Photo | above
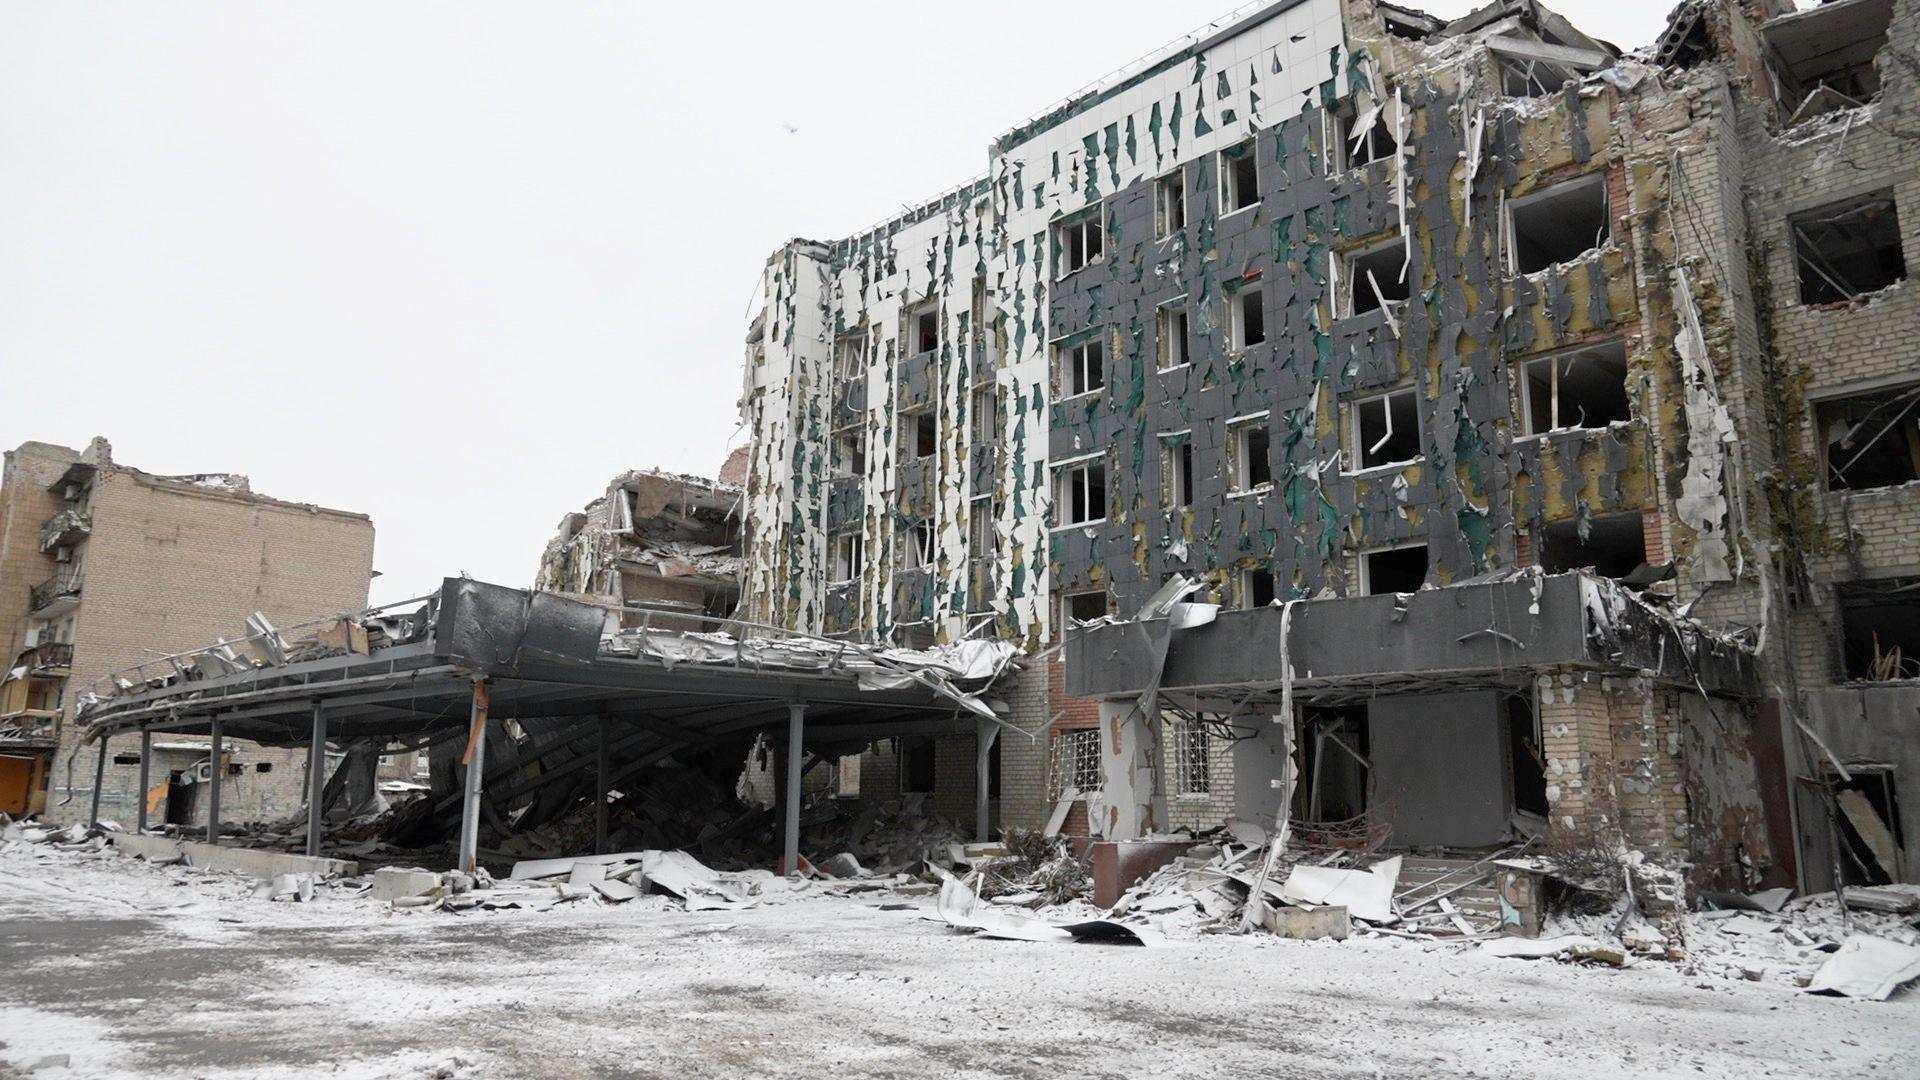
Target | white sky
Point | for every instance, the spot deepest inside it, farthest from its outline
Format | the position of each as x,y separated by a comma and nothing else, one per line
455,265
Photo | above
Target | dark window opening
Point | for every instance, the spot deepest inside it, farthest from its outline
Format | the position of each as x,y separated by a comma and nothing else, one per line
1559,224
1615,546
1170,203
1376,275
1358,146
1586,388
1386,431
850,453
1880,629
1081,243
234,768
1527,761
1083,493
926,331
1083,368
993,769
1521,77
1848,249
1402,569
264,766
1334,782
1259,588
1872,846
916,766
849,556
126,759
1253,445
1825,56
1181,460
1086,606
1249,318
1871,440
1173,336
1239,177
916,547
926,435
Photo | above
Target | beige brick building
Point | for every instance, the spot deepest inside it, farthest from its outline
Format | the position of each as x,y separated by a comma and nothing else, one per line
103,567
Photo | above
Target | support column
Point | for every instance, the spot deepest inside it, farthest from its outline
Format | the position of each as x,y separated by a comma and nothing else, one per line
316,777
601,760
796,731
218,773
985,732
475,761
146,778
99,780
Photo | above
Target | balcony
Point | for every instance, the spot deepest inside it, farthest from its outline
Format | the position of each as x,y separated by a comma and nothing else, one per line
49,658
57,594
65,529
33,728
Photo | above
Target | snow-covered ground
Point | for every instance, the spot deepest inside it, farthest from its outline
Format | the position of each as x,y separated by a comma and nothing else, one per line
136,970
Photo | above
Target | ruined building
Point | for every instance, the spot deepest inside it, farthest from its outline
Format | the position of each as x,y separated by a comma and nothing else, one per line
102,567
1541,419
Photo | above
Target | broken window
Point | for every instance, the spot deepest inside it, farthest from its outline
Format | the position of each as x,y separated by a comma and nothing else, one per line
1082,496
1527,761
1082,242
926,329
1257,588
986,415
1612,546
915,546
1880,628
917,769
1084,607
1374,275
850,452
1558,224
1253,455
849,556
920,435
1172,332
1382,431
1333,783
1873,847
1170,204
1824,57
1535,68
1083,368
1848,249
1239,177
1189,758
1393,570
850,357
980,535
1871,440
1179,471
1249,317
1583,388
1075,770
1360,138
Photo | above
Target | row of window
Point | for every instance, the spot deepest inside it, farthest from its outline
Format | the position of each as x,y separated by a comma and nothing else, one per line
915,544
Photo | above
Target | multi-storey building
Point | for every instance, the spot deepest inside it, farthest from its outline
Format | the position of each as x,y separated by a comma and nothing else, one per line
1537,417
103,567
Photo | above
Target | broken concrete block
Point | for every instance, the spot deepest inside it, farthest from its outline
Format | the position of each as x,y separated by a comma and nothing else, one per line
1308,924
842,865
587,873
393,883
616,891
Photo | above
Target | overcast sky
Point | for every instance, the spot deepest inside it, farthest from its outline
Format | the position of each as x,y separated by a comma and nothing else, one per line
455,265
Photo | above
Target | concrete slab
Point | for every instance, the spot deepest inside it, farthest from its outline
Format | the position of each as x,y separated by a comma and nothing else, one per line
266,865
392,883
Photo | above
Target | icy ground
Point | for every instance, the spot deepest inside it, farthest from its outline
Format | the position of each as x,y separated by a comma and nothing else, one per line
135,970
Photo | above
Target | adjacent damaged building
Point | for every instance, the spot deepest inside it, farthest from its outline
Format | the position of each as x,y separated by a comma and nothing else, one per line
1456,433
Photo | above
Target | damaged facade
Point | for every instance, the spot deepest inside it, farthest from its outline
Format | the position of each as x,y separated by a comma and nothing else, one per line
1527,406
105,566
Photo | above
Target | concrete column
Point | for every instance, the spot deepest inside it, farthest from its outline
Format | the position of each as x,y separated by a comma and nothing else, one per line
316,777
984,733
146,778
99,780
796,731
219,772
476,765
1131,804
601,757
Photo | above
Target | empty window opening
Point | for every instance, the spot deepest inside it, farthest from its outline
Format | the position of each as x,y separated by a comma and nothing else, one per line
980,527
1871,440
1584,388
1253,460
1376,274
1085,607
1082,497
1173,335
1872,844
1525,758
1257,588
917,770
1179,462
1335,776
1083,368
1249,318
1170,204
1239,177
926,329
1082,243
1394,570
1558,224
921,433
1614,546
1880,629
849,556
1189,757
126,759
916,546
850,453
1824,56
850,357
1363,137
1848,249
1074,771
986,415
1383,431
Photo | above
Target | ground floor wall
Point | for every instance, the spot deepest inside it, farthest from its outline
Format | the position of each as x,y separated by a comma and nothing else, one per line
258,783
1874,731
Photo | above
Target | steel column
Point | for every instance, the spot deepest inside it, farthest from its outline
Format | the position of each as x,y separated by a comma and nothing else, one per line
316,776
602,755
99,781
219,773
985,732
796,732
476,765
146,778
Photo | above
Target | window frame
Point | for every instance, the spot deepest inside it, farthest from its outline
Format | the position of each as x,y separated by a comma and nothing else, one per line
1237,315
1176,465
850,552
1085,225
1164,315
1070,355
1573,354
916,547
1062,503
1240,478
1225,159
989,416
1346,280
1164,226
1355,455
1365,572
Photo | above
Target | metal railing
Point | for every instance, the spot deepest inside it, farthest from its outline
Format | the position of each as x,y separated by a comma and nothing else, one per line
50,654
64,527
61,585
